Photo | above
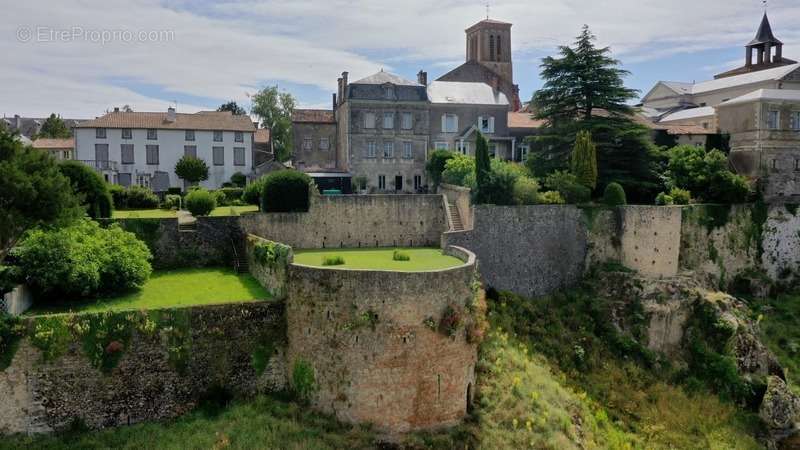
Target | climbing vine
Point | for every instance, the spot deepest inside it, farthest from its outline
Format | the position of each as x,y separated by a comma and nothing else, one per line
271,254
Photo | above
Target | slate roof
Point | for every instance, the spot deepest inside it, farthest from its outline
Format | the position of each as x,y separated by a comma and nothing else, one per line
765,94
204,120
313,116
386,77
764,34
691,113
462,92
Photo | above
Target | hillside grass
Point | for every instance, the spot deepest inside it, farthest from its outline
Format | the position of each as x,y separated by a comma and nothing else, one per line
778,320
420,259
170,289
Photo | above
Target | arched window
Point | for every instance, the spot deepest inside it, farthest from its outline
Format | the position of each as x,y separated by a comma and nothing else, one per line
491,47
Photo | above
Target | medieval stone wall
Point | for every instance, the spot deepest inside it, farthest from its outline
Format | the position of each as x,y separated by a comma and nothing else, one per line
355,221
153,366
271,271
373,341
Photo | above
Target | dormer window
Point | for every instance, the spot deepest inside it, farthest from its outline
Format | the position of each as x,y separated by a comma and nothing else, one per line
388,92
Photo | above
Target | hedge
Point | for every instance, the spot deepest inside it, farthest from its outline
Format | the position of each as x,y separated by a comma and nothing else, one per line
286,191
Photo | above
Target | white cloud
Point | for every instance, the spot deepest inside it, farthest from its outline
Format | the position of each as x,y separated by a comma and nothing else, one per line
225,49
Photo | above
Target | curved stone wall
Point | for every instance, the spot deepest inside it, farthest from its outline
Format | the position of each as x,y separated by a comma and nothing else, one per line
373,339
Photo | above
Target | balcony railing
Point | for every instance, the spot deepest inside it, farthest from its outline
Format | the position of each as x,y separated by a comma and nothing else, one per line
100,165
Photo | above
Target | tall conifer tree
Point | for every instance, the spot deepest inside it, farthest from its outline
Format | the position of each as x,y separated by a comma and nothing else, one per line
483,165
583,162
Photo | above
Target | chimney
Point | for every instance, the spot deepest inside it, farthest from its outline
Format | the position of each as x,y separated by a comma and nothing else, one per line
334,102
344,79
171,114
422,78
17,122
339,89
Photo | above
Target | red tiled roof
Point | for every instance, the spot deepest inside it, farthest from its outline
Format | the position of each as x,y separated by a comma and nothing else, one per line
313,116
204,120
523,120
261,136
49,143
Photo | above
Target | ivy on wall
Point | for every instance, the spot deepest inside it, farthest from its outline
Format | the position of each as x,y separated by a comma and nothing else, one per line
270,254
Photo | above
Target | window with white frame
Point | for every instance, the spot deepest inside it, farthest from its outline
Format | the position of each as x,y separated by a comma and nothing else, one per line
388,149
218,136
463,147
238,156
238,136
371,150
523,152
324,143
381,181
100,133
408,150
127,133
773,119
407,121
794,120
449,123
189,135
218,154
486,124
308,143
388,120
369,120
441,145
152,134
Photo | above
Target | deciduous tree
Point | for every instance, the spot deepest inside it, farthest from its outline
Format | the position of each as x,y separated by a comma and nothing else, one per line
275,108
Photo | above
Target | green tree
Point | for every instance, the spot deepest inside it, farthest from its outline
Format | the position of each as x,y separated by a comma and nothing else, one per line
54,127
584,160
483,168
191,169
33,192
436,165
705,174
584,91
275,108
233,107
90,187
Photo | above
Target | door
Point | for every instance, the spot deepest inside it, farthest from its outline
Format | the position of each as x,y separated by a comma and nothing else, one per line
398,183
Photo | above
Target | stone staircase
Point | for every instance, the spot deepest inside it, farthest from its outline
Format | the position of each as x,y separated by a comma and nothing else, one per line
240,264
455,218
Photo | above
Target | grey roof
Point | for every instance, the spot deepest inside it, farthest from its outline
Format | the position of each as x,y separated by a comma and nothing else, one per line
766,94
764,34
690,113
386,77
29,126
462,92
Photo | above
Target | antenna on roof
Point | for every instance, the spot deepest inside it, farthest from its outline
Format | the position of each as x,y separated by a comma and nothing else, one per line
764,5
487,10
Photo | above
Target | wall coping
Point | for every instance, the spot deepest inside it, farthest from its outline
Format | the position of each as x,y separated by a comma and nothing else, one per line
453,187
467,257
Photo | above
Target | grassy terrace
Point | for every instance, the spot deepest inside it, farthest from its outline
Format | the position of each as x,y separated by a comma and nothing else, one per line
173,288
422,259
157,213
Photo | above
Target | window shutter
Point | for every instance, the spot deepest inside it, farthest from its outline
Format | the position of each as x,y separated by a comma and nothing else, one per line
491,124
480,123
444,123
455,123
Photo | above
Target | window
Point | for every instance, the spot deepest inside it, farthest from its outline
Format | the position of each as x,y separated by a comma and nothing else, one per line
449,123
774,164
794,120
127,133
238,156
101,154
705,125
499,48
190,150
369,120
189,135
219,156
143,180
388,120
152,134
491,47
238,136
388,149
417,182
324,143
398,182
126,151
796,165
523,152
486,124
152,154
408,150
381,181
100,133
407,121
441,146
389,92
308,143
218,136
371,150
463,147
773,120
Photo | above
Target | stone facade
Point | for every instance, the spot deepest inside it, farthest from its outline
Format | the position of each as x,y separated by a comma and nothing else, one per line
355,221
468,123
315,147
375,359
168,362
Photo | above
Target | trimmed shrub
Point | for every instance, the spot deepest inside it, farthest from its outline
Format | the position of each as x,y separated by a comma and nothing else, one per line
680,196
335,260
526,191
397,255
614,195
551,198
172,202
568,186
83,260
238,179
230,196
437,164
252,192
140,197
200,202
286,191
90,187
664,199
192,170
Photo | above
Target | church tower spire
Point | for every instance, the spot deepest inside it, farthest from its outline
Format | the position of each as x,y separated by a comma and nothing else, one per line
765,51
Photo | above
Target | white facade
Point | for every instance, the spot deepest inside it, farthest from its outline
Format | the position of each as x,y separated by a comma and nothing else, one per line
172,145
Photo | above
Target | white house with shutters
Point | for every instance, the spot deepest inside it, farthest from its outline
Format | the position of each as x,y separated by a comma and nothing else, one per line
142,148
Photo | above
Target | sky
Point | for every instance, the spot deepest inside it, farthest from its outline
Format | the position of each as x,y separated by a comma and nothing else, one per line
80,58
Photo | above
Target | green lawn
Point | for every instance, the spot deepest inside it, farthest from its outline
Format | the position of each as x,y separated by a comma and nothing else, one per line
234,210
379,259
174,288
144,214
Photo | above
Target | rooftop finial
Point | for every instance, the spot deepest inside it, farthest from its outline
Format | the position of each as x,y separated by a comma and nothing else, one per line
764,5
487,10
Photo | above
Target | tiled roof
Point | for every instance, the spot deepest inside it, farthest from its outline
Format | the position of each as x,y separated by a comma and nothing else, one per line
204,120
313,116
523,120
48,143
261,136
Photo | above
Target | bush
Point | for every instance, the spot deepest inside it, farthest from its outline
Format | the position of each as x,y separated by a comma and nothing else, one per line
286,191
680,196
526,191
551,198
230,196
706,174
140,197
397,255
200,202
174,191
436,165
335,260
664,199
252,192
614,195
90,187
172,202
568,186
238,179
83,260
460,171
